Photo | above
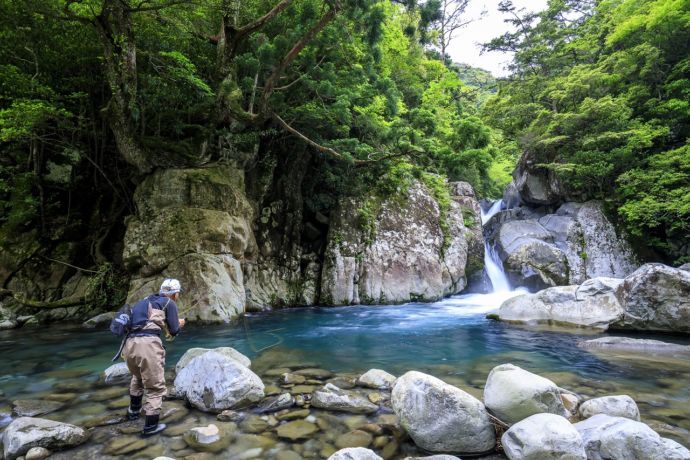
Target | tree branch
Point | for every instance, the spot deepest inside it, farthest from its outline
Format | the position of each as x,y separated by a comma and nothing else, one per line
259,23
316,145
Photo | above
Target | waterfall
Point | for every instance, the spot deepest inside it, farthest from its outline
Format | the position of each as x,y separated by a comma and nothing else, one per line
492,263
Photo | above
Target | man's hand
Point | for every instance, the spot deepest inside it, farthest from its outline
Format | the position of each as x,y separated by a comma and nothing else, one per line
182,322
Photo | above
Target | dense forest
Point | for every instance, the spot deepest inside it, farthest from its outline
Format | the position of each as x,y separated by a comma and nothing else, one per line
96,94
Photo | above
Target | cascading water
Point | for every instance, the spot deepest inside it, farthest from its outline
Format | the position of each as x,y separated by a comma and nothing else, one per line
492,263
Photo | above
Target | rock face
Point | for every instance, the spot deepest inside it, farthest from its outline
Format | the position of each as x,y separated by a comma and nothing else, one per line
213,382
656,297
440,417
194,225
513,394
26,432
543,436
540,249
615,406
593,304
617,437
394,251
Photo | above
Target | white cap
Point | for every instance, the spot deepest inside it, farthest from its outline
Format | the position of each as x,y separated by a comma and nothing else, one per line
170,286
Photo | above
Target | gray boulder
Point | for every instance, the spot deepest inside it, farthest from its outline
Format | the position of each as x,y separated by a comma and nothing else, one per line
330,397
656,297
629,345
355,453
513,394
99,321
607,437
225,351
440,417
593,304
213,382
615,406
27,432
377,379
117,374
543,437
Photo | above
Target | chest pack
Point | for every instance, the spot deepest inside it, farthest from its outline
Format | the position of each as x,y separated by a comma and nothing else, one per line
121,324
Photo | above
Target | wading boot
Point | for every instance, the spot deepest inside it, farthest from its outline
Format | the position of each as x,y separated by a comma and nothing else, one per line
151,426
134,409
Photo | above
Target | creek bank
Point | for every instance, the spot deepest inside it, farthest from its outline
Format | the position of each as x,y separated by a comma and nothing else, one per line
655,297
287,424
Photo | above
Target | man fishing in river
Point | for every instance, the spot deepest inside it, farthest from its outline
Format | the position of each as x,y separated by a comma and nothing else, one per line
145,354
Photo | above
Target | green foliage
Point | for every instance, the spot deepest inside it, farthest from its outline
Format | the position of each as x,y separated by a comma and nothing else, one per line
602,102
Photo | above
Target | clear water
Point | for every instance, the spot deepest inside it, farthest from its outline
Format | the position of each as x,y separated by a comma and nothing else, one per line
451,339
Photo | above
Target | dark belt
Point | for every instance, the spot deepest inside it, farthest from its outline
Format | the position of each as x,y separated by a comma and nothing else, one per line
145,334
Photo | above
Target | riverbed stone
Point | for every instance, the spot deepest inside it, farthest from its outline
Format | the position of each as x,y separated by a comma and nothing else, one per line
543,436
225,351
33,407
123,445
434,457
330,397
27,432
207,438
376,379
117,374
213,382
619,437
276,403
297,429
513,394
355,453
314,373
440,417
615,406
355,438
289,378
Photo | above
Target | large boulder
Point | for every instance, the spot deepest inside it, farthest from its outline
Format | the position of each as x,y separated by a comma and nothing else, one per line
330,397
395,251
192,353
213,382
440,417
543,436
656,297
607,437
615,406
593,304
630,346
513,394
377,379
194,225
27,432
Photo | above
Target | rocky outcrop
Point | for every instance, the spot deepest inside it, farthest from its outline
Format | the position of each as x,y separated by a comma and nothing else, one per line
440,417
617,437
513,394
27,432
654,298
194,225
543,436
540,248
396,250
593,304
615,406
213,382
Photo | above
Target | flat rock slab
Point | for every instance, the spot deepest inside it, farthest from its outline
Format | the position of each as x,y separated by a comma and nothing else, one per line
34,407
